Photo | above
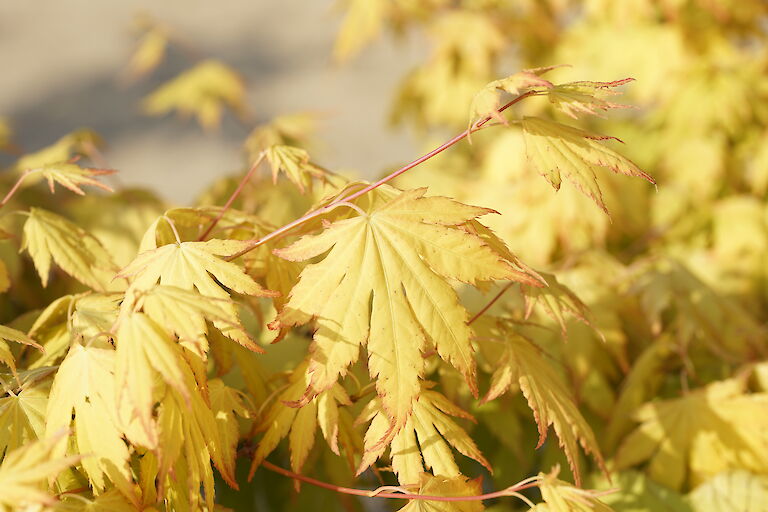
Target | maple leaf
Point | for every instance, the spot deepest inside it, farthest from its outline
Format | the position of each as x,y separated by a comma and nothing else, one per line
226,405
557,301
85,385
188,440
144,352
551,401
557,150
731,491
361,24
634,491
48,236
8,334
110,501
193,266
384,283
202,90
560,496
294,162
80,142
72,176
576,98
186,314
25,469
22,417
692,438
150,50
284,418
488,100
424,442
430,485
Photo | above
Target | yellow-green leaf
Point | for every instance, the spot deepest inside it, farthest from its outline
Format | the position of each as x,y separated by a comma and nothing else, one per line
85,385
424,442
548,396
384,283
731,491
430,485
690,439
48,236
193,266
558,150
576,98
25,472
204,90
71,176
22,417
8,334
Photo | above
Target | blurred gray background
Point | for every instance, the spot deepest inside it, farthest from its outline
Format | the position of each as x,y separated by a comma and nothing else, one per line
62,60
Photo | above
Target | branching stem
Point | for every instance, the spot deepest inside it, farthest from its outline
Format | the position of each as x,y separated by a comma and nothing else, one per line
351,197
490,303
376,493
232,198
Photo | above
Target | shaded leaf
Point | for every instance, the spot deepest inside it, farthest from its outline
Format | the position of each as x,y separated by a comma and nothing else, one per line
48,236
424,442
556,150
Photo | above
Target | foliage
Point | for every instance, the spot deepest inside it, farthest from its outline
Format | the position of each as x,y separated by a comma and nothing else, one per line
154,353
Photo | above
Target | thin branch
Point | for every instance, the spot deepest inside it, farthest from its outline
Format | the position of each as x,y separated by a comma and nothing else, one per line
232,198
509,491
351,197
15,187
491,303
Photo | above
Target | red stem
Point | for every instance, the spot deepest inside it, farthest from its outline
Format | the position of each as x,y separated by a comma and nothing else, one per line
14,188
320,211
395,495
491,303
232,198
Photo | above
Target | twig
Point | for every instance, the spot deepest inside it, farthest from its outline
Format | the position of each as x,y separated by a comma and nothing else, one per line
324,209
15,187
232,198
509,491
491,303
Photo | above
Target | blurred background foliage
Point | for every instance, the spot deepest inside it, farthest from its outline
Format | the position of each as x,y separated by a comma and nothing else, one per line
658,320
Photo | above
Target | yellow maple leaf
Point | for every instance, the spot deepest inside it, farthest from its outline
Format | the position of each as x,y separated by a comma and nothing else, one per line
193,266
204,90
8,334
150,49
145,353
361,24
25,472
384,283
576,98
487,101
424,442
690,439
22,417
80,142
731,491
110,501
560,496
548,396
430,485
85,385
72,176
300,424
48,236
294,163
557,150
226,404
